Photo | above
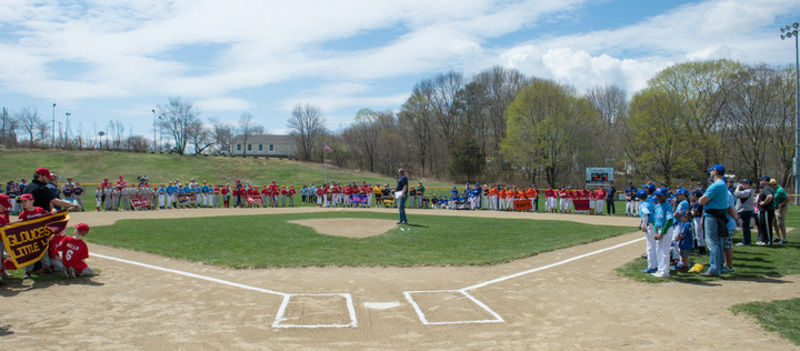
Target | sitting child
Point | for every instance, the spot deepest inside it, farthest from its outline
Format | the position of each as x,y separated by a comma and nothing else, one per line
74,251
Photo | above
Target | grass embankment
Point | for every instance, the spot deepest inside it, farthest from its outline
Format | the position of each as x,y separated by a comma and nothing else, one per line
781,316
269,241
91,166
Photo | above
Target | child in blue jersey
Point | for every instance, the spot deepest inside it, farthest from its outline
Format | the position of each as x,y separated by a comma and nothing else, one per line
685,240
162,197
663,237
647,213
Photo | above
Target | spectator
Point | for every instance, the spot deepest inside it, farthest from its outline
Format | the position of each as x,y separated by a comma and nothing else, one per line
42,196
780,204
766,213
745,207
715,202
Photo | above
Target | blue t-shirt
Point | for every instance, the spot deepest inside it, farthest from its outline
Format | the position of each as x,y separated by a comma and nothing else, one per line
402,182
611,193
687,242
718,193
683,207
646,209
663,215
206,189
631,192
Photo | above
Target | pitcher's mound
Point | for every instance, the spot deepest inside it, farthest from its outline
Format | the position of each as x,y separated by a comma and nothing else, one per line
348,227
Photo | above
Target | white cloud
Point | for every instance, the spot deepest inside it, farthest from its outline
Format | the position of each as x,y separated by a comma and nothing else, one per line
223,104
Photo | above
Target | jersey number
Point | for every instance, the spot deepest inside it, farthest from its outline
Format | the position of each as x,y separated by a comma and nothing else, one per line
69,255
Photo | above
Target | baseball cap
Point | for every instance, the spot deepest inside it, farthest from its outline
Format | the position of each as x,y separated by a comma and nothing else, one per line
682,191
641,194
746,181
661,191
45,172
773,182
717,167
764,178
82,227
5,201
26,197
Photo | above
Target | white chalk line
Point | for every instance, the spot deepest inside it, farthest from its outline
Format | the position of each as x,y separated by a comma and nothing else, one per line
286,296
498,318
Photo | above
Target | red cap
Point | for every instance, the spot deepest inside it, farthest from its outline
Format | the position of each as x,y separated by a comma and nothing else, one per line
5,201
120,177
26,197
82,227
105,178
45,172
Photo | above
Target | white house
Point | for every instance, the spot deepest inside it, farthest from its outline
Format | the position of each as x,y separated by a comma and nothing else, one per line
264,145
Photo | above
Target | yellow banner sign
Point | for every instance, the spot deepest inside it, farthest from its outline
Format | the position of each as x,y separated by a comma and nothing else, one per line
26,241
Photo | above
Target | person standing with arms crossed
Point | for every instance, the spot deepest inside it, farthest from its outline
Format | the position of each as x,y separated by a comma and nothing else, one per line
715,206
402,189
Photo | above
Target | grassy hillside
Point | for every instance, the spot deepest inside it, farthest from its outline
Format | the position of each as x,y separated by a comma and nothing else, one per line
91,166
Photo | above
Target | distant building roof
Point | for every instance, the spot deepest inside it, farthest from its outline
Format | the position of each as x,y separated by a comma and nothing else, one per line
265,139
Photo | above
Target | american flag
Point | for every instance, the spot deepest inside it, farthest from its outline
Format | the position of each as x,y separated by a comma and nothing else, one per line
327,148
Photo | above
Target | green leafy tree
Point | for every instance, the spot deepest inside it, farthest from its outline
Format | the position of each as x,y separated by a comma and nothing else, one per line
466,158
660,143
549,127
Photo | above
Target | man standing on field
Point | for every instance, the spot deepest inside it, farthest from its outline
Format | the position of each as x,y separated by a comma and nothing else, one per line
402,189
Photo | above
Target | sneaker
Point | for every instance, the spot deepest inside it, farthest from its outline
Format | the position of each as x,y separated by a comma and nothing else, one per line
760,243
649,270
739,244
660,275
784,241
776,240
26,276
708,274
728,270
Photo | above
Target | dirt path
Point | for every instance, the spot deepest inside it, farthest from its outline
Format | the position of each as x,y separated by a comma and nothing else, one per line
578,305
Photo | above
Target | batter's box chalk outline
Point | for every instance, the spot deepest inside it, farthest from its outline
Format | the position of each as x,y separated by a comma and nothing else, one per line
280,317
424,320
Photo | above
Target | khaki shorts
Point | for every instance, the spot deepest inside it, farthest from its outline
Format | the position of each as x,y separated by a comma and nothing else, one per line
780,218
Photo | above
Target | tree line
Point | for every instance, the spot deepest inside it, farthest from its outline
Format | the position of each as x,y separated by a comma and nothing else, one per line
500,125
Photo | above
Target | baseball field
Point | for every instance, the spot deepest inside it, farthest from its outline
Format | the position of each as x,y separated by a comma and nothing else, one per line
312,278
308,278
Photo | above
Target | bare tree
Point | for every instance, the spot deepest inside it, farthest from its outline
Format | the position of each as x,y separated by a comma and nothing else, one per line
138,143
200,136
247,128
222,134
307,125
29,122
8,135
177,118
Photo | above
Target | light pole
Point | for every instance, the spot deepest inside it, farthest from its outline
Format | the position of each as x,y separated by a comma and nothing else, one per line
53,142
791,31
66,138
154,130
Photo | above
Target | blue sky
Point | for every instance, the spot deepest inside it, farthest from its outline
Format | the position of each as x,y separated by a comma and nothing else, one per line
117,60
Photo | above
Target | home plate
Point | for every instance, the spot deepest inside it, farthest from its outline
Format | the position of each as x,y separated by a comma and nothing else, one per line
381,305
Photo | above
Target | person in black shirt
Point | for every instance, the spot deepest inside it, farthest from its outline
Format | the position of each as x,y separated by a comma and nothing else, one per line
42,196
766,212
402,188
611,195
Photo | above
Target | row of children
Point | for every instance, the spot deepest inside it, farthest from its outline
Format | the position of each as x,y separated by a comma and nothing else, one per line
70,192
65,254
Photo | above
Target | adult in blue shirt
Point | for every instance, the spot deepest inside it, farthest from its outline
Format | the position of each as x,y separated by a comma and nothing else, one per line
611,195
402,186
715,206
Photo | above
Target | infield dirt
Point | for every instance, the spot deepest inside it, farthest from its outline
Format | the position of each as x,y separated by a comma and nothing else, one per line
582,304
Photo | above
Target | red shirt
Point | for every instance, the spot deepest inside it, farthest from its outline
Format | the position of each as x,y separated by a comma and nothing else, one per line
562,194
217,191
319,191
225,191
35,213
336,190
54,248
265,191
284,192
242,192
347,190
291,192
73,252
4,219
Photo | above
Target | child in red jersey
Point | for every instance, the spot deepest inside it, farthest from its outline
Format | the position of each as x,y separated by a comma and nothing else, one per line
74,251
28,210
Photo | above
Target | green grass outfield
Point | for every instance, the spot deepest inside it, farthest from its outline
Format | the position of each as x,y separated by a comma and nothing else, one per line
781,316
269,241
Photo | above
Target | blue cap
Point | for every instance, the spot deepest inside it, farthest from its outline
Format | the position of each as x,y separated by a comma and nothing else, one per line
746,181
765,178
682,191
661,191
641,194
718,167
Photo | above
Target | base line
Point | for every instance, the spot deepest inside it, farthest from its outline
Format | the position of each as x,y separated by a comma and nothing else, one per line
541,268
192,275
